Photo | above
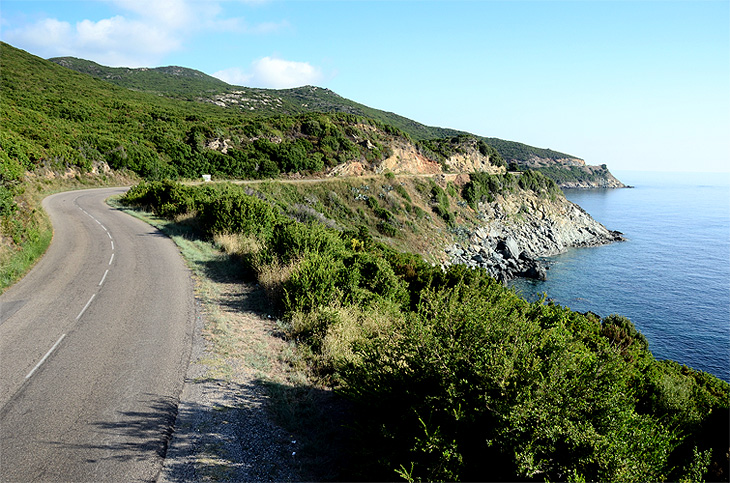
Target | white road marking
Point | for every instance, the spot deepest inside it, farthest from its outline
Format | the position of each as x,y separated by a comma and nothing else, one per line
112,245
103,278
110,235
45,357
85,307
112,258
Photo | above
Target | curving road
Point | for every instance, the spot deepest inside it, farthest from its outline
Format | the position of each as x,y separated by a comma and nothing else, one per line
94,344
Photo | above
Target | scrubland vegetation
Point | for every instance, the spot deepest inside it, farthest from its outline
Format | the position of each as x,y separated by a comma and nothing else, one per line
452,375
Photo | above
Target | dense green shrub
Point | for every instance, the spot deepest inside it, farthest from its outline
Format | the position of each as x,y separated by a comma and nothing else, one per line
292,240
441,204
535,181
484,187
236,212
165,198
313,284
387,228
369,276
403,192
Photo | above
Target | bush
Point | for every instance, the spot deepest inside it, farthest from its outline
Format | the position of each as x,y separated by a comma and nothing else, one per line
441,207
236,212
484,187
313,284
369,277
387,228
165,198
291,239
403,192
474,382
330,273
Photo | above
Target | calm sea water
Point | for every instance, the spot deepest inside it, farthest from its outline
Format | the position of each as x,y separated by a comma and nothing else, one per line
672,276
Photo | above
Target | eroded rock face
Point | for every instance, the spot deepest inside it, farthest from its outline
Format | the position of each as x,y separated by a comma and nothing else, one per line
521,228
219,144
470,160
405,158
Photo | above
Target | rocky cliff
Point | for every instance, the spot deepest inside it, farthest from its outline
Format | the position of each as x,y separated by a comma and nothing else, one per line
520,228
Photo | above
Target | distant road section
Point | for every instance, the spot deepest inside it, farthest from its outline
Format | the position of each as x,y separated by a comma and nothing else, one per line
94,345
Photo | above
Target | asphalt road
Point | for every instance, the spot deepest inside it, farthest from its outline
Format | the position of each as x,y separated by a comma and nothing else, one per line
94,344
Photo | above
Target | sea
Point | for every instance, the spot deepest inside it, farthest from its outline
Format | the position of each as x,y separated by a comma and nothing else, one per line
671,276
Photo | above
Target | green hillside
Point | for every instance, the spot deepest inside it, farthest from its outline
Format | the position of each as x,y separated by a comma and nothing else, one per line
189,84
182,83
520,153
58,118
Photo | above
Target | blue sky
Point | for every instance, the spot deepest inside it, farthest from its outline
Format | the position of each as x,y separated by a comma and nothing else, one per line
635,85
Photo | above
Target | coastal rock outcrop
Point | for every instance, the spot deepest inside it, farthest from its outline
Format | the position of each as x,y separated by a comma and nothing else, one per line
591,177
520,229
571,172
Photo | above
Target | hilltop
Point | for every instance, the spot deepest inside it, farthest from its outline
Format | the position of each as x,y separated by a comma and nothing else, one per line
172,81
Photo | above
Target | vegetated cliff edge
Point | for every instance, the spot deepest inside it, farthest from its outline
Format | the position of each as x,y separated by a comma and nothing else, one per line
581,176
566,170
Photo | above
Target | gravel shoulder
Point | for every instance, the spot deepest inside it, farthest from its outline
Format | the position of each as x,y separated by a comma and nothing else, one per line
247,411
224,430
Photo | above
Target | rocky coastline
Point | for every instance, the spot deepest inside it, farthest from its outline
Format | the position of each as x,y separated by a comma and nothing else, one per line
518,231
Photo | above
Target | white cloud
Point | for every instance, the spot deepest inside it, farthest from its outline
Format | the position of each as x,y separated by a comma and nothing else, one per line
115,41
142,36
272,73
44,32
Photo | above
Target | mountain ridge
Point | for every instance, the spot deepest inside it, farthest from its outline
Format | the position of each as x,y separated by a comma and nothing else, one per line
208,89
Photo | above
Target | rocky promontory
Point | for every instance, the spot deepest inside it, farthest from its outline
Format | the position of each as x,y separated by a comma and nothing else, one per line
519,229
